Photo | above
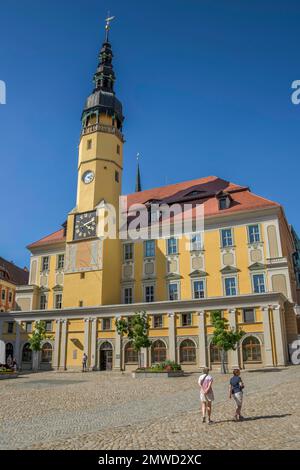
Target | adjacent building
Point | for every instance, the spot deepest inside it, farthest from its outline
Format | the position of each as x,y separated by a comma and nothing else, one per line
242,264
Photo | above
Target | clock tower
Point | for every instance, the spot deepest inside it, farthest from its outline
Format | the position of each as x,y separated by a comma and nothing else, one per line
93,263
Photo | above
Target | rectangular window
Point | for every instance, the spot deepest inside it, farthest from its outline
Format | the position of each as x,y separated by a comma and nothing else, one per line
117,176
226,236
106,323
172,246
60,261
230,286
43,302
58,301
259,283
173,291
157,321
149,293
118,149
254,233
89,144
10,327
224,203
198,289
82,275
149,248
28,327
45,263
48,325
3,294
196,242
128,295
80,303
128,252
10,297
186,319
249,316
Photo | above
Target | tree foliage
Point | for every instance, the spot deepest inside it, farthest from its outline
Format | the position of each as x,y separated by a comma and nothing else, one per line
224,336
137,330
38,335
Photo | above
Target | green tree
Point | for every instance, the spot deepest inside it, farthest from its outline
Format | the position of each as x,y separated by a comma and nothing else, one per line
224,336
137,330
35,341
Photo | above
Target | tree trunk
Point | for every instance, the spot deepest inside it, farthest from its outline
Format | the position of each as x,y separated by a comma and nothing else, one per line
223,365
139,358
35,360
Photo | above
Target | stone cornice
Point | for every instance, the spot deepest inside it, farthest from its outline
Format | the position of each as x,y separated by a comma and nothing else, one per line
175,306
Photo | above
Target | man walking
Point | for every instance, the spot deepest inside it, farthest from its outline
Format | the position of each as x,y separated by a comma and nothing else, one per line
84,362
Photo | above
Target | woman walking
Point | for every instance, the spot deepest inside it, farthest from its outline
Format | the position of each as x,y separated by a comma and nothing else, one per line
206,394
236,387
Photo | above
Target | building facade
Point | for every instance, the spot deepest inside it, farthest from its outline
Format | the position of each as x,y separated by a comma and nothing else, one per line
81,281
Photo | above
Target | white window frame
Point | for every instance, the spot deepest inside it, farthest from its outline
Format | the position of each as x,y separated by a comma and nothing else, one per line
259,234
55,300
59,268
45,270
204,287
221,237
110,324
167,247
254,314
145,249
145,295
51,326
3,297
178,289
252,282
196,245
125,245
191,318
124,289
236,285
40,301
162,321
28,327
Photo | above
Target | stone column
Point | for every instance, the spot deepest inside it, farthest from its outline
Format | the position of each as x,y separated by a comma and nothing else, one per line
280,340
63,345
86,346
17,344
55,363
118,350
267,338
94,343
144,357
172,336
2,344
202,340
234,355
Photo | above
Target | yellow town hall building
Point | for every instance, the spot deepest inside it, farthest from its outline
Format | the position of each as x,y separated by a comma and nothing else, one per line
80,281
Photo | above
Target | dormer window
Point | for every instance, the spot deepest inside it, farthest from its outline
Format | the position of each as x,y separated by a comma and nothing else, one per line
224,200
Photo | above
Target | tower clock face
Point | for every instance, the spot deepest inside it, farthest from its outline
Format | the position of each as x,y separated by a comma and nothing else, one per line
88,176
85,225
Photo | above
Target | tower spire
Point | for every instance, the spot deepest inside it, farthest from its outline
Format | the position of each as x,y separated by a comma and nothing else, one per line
138,185
107,25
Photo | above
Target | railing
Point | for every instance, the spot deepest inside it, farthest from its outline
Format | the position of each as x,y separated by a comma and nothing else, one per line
102,128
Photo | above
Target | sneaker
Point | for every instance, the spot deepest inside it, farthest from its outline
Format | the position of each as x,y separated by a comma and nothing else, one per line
203,420
209,421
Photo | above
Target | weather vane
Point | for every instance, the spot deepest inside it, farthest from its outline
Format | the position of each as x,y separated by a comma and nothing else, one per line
107,26
138,156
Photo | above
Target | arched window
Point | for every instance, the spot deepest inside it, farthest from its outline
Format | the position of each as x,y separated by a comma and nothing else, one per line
187,351
46,353
251,350
158,351
131,355
215,354
26,353
9,351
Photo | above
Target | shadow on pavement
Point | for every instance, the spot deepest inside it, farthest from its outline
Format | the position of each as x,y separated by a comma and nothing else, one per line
254,418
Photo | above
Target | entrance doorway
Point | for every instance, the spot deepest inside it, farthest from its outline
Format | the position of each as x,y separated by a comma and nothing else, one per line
106,356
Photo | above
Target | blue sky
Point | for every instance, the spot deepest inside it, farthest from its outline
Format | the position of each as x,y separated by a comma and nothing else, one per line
205,87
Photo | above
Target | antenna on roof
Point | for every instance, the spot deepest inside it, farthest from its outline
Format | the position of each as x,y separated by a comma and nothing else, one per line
138,185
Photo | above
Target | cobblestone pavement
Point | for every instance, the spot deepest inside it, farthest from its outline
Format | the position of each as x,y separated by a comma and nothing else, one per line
113,411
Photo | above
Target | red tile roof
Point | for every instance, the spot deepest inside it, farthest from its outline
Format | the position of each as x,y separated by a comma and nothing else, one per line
205,191
13,273
55,237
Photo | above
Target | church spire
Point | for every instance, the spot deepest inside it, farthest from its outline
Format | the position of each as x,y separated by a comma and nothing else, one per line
138,185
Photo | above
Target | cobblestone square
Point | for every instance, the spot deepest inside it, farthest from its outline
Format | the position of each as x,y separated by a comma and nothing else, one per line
106,410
